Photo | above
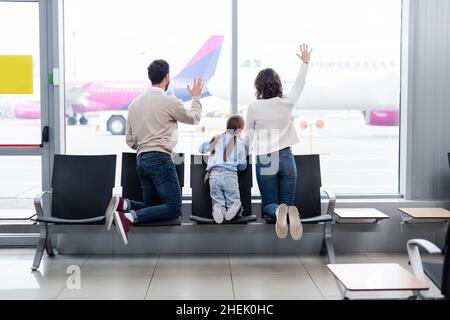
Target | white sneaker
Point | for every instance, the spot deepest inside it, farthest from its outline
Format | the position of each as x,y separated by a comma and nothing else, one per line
112,207
281,226
218,214
234,210
295,222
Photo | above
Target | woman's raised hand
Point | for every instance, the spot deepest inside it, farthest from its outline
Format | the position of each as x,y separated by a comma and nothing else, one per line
305,53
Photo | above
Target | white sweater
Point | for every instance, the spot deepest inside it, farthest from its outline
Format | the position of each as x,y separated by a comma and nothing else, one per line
269,122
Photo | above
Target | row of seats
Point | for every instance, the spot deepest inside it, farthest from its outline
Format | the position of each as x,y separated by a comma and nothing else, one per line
82,187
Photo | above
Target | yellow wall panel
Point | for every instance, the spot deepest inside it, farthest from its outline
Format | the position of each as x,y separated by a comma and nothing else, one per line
16,74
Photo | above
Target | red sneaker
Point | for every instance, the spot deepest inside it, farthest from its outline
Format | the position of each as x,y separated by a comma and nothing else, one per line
121,205
123,225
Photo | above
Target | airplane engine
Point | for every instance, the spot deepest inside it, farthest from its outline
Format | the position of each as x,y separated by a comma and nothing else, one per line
383,118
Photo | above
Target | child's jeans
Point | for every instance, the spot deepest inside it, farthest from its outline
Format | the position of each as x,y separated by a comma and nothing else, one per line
224,187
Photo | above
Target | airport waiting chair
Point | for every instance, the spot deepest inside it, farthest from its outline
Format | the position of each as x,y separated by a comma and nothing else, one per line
308,200
438,272
131,185
201,199
82,187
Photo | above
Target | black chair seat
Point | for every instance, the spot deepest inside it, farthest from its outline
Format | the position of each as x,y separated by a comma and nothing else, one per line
169,223
314,220
435,271
236,221
53,220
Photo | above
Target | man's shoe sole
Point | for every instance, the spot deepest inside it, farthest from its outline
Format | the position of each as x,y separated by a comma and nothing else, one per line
112,207
120,228
281,226
296,227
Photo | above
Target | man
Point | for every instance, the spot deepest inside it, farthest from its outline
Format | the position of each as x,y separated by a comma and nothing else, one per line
152,130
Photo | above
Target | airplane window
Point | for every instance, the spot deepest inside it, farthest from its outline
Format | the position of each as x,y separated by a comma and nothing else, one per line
246,64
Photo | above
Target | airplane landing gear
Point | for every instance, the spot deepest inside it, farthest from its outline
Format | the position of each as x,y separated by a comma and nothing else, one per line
84,121
72,121
117,125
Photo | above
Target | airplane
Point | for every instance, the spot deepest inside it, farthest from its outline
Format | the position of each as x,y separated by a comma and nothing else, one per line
94,96
372,87
369,86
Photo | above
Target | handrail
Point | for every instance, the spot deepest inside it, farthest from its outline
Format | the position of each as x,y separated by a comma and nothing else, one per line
27,146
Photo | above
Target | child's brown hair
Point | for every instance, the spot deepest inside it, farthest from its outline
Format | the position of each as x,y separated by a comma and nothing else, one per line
235,125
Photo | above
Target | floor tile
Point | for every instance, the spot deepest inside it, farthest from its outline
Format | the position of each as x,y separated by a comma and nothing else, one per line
30,287
119,265
207,265
190,287
270,286
57,266
109,287
266,265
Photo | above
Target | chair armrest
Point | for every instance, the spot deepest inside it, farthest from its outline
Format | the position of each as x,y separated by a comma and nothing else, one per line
416,260
331,201
38,202
430,247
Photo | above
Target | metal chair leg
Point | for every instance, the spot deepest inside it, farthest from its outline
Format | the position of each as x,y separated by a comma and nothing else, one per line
40,247
323,248
49,246
328,239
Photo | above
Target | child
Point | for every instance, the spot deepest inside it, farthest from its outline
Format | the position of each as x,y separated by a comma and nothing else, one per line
228,155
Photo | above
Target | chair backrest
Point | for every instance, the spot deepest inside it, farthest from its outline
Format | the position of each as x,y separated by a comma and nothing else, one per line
309,182
201,199
131,185
82,186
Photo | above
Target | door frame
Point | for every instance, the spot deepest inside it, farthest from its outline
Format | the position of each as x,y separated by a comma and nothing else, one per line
52,92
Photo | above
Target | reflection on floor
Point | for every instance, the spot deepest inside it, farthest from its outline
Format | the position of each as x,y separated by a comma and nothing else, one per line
184,277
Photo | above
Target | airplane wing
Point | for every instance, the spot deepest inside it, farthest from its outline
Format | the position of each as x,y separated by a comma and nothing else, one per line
78,95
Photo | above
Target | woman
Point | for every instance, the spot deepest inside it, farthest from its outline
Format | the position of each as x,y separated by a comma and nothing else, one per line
270,126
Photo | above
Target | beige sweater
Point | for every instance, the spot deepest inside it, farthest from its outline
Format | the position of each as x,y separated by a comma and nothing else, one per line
153,121
269,124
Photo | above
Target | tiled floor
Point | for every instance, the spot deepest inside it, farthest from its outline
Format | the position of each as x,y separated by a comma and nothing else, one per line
185,277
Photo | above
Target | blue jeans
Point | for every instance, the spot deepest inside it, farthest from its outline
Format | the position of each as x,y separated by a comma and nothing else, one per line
159,181
224,187
277,179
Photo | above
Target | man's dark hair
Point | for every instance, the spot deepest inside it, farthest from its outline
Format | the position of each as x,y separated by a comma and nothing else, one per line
157,71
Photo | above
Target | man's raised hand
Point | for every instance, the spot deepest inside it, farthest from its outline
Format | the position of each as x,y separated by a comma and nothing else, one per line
196,90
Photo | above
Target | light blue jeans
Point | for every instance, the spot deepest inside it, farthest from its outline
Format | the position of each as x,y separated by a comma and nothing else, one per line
224,186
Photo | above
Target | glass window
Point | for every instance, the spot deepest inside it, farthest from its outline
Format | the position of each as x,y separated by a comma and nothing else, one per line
20,182
353,85
106,65
20,118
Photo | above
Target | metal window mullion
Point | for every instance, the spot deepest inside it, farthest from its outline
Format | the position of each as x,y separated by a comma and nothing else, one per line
45,90
234,57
